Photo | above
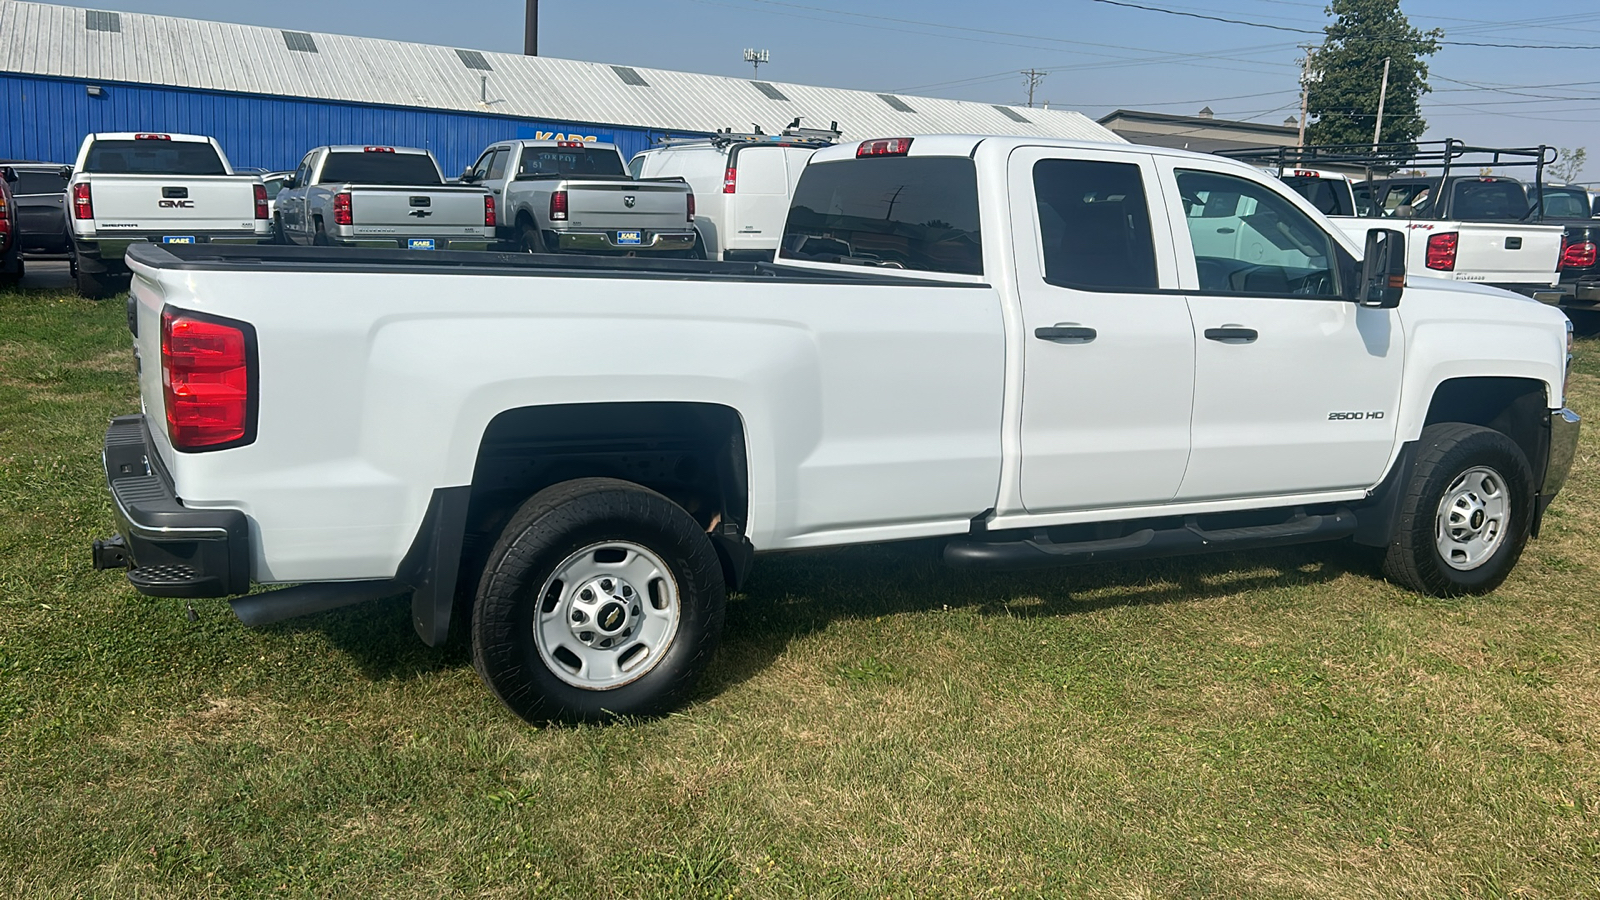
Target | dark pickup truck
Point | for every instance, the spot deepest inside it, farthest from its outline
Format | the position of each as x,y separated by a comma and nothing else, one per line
1571,208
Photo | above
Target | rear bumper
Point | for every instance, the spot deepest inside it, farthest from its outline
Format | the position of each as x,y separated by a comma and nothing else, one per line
608,241
105,253
455,242
168,549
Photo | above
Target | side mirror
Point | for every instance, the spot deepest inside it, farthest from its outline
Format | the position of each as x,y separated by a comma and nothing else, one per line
1383,269
290,182
9,174
66,172
468,176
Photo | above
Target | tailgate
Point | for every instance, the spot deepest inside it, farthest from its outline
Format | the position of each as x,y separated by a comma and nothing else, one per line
659,206
174,204
416,211
1499,253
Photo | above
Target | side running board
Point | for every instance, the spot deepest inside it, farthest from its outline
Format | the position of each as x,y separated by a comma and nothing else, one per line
1040,552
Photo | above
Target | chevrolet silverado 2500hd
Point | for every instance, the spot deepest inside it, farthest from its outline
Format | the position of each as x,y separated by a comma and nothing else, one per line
1035,352
171,188
370,196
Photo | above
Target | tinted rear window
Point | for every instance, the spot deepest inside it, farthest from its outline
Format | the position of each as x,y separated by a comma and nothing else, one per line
153,158
570,161
901,212
380,168
1330,197
39,183
1490,200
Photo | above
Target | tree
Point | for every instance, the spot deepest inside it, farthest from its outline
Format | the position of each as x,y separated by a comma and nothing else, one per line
1348,67
1567,165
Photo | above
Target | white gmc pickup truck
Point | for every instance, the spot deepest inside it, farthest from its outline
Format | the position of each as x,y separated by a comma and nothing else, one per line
1025,347
129,188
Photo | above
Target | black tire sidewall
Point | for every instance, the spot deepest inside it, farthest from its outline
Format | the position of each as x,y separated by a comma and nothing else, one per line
532,546
1468,448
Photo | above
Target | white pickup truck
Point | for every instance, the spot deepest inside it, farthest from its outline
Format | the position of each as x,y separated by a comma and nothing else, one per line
576,197
1025,347
129,188
381,197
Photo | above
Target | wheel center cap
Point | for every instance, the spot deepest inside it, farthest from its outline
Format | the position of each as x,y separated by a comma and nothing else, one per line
611,617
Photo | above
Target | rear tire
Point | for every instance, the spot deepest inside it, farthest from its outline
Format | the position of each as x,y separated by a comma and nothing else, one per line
14,277
602,598
1466,513
529,238
96,287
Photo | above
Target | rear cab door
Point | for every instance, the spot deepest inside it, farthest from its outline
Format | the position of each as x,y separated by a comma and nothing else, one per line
1108,346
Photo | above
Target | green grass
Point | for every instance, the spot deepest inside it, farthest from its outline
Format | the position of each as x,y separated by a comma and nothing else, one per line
1264,725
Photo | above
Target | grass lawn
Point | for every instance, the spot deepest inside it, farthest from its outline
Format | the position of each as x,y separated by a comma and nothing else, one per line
1275,724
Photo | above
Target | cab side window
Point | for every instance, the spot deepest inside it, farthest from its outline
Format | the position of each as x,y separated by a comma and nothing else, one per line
1247,239
497,165
480,169
1094,224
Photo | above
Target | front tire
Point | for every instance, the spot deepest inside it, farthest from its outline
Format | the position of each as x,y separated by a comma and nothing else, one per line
1466,513
602,598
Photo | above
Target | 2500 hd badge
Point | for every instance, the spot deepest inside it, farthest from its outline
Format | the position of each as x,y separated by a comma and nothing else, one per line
1353,416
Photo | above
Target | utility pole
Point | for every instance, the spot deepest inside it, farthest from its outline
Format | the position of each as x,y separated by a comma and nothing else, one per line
1305,93
756,58
1032,78
1383,93
530,32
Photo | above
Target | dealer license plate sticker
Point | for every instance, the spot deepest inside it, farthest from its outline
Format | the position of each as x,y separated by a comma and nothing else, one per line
630,237
419,244
178,239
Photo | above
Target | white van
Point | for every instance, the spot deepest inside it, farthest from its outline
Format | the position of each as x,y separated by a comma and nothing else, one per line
742,184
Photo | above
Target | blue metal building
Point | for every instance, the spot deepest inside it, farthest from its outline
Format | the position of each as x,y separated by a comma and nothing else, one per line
269,95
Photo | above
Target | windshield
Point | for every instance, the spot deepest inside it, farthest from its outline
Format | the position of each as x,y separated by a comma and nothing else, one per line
1566,203
570,161
380,168
900,212
153,157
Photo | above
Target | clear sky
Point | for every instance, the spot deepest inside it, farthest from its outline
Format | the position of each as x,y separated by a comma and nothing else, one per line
1098,57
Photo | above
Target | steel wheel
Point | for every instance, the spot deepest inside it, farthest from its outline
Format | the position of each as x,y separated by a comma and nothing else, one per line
607,615
1473,518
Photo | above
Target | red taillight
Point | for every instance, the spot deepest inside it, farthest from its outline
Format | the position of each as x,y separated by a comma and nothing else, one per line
261,201
82,204
691,206
342,214
152,137
890,147
558,206
1442,251
1580,255
377,149
206,378
488,210
730,181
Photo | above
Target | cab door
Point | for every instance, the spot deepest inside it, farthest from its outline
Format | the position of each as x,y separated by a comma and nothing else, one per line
1296,389
1108,348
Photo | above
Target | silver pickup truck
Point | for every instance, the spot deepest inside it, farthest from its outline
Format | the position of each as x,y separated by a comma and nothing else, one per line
572,197
392,197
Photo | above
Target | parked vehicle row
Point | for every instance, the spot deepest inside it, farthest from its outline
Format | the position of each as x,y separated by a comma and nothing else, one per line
594,451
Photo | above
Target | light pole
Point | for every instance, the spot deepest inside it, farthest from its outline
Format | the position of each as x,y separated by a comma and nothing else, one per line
1383,94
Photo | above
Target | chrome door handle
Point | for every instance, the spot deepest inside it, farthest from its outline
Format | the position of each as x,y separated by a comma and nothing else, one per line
1232,334
1066,334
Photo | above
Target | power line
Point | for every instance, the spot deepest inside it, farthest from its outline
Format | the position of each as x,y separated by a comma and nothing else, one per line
1192,15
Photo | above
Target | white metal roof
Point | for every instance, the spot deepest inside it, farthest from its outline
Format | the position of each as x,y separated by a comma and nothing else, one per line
44,39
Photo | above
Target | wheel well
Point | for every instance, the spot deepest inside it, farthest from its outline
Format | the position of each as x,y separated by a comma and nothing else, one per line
1515,407
692,453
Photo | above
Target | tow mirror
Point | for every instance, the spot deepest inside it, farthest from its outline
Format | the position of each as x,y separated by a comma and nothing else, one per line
290,182
1383,269
9,174
468,176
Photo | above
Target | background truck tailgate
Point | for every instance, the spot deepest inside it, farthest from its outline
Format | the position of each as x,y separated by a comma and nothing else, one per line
416,210
662,207
179,204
